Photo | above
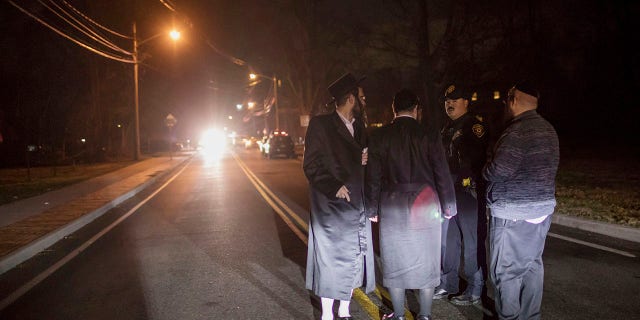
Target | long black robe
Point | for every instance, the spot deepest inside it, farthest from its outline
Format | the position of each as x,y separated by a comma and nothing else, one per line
409,186
339,231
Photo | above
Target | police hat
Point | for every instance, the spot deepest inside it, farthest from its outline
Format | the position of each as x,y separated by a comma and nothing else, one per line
343,85
456,91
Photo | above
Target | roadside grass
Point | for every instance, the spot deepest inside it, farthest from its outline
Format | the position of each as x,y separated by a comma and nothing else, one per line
20,183
599,189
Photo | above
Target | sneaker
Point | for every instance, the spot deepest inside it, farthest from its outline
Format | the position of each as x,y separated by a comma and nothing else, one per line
440,293
465,300
423,317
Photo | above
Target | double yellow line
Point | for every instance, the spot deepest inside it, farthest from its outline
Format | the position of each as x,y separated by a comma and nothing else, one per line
295,223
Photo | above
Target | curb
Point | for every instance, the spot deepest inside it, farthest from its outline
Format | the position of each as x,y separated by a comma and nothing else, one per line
25,253
607,229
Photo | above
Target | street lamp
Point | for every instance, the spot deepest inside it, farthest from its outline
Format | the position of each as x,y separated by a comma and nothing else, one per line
175,35
121,138
254,76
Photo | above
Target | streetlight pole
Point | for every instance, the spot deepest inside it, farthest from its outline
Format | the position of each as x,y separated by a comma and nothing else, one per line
275,100
174,34
275,94
136,138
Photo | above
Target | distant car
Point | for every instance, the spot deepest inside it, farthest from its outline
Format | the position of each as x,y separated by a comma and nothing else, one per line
279,146
251,142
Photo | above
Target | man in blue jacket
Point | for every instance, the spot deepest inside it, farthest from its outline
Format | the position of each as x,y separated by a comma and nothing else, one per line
521,198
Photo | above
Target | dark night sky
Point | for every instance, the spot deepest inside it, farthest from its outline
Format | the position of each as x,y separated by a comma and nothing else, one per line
47,75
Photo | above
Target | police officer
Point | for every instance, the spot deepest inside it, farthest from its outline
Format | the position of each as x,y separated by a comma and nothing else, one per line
465,140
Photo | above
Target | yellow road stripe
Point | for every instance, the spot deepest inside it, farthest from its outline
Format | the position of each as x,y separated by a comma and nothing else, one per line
382,292
363,300
367,305
273,196
282,215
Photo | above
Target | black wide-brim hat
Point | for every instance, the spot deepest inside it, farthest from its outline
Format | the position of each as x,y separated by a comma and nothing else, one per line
343,85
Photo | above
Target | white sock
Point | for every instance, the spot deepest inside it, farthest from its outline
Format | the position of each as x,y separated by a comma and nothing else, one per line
327,308
343,310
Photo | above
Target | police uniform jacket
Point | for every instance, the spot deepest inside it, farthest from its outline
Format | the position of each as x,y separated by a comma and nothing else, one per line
408,187
339,231
465,142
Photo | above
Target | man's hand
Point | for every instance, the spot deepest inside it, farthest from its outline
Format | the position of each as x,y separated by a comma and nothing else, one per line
365,156
374,219
343,193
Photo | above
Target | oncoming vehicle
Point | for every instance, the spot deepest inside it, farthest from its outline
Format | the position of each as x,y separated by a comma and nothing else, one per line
279,144
250,142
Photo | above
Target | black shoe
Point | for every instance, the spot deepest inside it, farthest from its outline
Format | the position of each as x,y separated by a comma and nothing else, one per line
423,317
440,294
345,318
393,317
465,300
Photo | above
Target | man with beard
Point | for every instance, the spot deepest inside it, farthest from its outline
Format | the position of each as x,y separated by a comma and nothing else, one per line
340,254
521,199
409,187
465,139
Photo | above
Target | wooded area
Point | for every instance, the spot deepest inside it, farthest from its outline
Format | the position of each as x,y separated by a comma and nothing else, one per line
56,93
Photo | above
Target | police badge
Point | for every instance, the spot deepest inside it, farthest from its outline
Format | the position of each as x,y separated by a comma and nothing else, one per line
478,130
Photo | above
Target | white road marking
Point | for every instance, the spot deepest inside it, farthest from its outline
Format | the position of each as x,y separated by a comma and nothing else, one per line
592,245
49,271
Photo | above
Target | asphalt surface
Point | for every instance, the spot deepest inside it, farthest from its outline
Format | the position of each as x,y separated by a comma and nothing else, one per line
31,225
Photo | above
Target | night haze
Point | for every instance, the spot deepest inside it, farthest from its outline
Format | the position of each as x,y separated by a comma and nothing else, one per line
194,159
56,92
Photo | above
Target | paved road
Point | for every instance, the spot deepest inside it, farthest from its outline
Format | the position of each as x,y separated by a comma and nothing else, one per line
581,267
248,185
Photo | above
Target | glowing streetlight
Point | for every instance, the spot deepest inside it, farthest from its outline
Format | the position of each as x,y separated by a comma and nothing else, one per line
175,35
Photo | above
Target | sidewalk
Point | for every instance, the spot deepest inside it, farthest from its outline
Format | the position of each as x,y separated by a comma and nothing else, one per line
31,225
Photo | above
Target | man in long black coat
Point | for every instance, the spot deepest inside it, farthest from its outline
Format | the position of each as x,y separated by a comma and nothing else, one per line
410,189
340,253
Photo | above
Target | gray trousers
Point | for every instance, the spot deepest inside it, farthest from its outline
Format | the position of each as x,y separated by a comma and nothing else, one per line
516,271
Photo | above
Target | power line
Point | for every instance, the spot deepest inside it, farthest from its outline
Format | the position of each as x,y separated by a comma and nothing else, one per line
169,5
95,23
95,36
232,59
78,42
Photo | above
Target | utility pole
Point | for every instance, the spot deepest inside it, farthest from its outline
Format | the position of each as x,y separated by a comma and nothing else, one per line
136,135
275,101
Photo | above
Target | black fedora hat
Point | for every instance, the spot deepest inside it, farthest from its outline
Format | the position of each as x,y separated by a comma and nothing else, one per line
343,85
